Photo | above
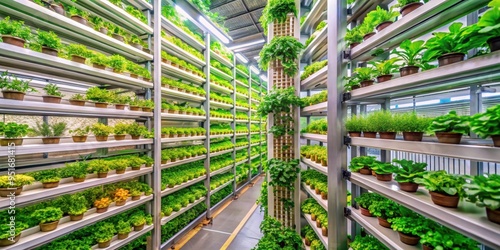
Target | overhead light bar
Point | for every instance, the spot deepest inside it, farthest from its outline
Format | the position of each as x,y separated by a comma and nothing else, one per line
247,44
254,70
263,77
183,13
242,58
256,58
213,30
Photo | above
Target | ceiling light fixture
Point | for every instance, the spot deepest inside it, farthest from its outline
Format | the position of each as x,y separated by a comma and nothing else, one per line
247,44
242,58
183,13
223,38
263,78
254,70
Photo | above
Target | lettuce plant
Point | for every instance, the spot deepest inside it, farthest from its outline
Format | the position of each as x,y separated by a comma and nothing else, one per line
486,124
490,21
385,67
14,28
409,170
451,123
484,191
443,183
49,39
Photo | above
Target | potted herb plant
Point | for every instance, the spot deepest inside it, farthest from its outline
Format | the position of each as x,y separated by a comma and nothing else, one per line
77,15
449,128
14,184
6,236
101,131
80,134
484,190
147,105
13,133
444,238
119,165
49,178
118,33
57,8
411,54
353,37
50,42
362,164
383,170
78,53
138,220
354,125
123,228
51,133
101,167
407,173
365,76
412,125
136,194
14,32
384,210
104,234
77,206
77,170
118,63
120,130
135,104
102,204
14,88
489,24
99,60
487,124
282,51
148,161
385,69
366,200
101,97
136,130
383,122
54,95
382,18
136,162
445,189
77,100
410,228
48,218
408,6
120,197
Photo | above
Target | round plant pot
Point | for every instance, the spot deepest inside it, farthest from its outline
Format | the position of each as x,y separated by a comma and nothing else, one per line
450,138
365,171
120,203
409,8
103,30
120,171
494,43
353,45
496,140
51,140
104,244
366,83
370,134
384,78
146,109
76,217
384,177
58,9
118,37
324,196
445,200
76,179
424,247
413,136
120,106
383,222
49,51
493,215
79,19
6,192
408,239
136,168
135,198
12,40
367,36
101,105
324,231
355,134
50,184
450,58
8,242
139,228
77,102
102,175
77,138
135,108
52,99
136,45
47,227
408,186
307,241
13,95
365,212
318,224
134,75
10,141
408,70
119,137
78,59
136,137
123,236
383,25
97,66
313,217
387,135
101,137
101,210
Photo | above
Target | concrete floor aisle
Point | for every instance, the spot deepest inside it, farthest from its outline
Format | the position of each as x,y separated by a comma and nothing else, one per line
213,237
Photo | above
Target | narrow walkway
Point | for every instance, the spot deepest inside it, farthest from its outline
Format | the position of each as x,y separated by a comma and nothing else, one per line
228,222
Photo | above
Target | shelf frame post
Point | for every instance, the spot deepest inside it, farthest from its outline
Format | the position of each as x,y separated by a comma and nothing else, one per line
207,123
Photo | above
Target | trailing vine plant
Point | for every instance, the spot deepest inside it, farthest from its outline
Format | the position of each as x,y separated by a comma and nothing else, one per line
277,10
286,49
283,174
281,103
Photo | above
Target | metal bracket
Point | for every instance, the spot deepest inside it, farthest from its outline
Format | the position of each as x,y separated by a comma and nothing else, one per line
208,221
346,96
347,141
346,175
349,11
346,54
347,211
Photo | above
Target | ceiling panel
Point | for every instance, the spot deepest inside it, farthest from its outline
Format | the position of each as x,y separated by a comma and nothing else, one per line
255,4
231,9
239,22
246,31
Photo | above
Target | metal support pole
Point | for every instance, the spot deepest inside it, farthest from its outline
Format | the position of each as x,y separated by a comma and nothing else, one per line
476,101
385,155
249,123
233,124
207,122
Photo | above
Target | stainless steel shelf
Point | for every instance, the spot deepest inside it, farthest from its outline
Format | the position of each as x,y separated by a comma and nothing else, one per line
221,152
175,50
314,137
217,119
315,15
170,70
467,219
242,108
241,95
315,110
220,105
182,95
221,170
184,209
183,138
387,236
316,229
173,29
178,117
317,197
241,73
186,184
65,27
220,187
316,166
317,48
220,59
116,243
242,84
462,151
316,80
473,71
28,60
140,4
180,162
71,146
221,74
220,89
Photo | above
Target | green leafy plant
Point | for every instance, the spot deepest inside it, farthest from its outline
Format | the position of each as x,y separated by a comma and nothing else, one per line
8,83
18,180
47,130
367,199
484,190
277,11
355,123
386,67
5,231
411,122
13,130
451,123
77,204
285,49
78,50
383,168
136,129
47,215
123,227
104,231
379,121
486,124
445,238
80,131
360,162
78,97
117,62
121,128
414,225
410,52
367,242
443,183
99,129
354,36
97,94
386,209
490,21
409,170
380,15
313,68
49,39
365,73
276,236
53,90
46,176
99,59
138,219
15,29
76,169
99,166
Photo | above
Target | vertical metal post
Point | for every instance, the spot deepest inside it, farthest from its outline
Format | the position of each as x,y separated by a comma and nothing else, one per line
207,122
260,131
476,101
385,155
156,234
362,111
45,120
249,122
233,124
337,153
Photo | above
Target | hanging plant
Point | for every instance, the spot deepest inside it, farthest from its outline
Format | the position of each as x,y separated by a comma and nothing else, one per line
277,10
283,174
286,49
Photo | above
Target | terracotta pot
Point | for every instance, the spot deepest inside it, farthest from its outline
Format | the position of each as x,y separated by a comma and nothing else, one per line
355,87
103,30
413,136
135,137
97,66
7,242
6,192
370,134
307,241
383,222
387,135
324,231
365,212
135,108
101,137
120,203
494,43
16,41
120,106
75,179
51,140
104,244
146,109
450,138
450,58
47,227
424,247
102,175
50,184
78,59
409,8
101,210
384,78
324,196
139,228
136,45
118,37
49,51
409,239
52,99
365,171
366,83
77,102
136,168
355,134
367,36
384,177
119,137
58,9
146,79
101,105
79,19
120,171
408,70
76,217
496,140
493,215
13,95
10,141
408,186
134,76
353,45
444,200
318,224
313,217
135,198
316,190
82,138
383,25
122,236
